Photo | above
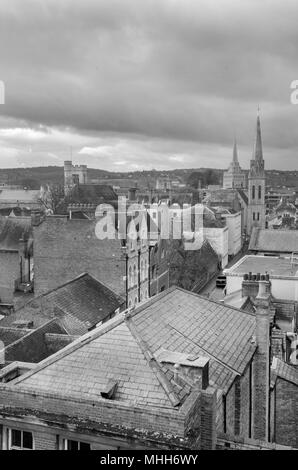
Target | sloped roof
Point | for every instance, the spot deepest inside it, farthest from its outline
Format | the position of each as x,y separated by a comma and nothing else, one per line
186,322
124,350
79,304
276,241
93,193
32,346
284,371
111,353
9,335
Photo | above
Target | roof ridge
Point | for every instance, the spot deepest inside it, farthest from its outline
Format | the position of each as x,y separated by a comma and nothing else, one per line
61,286
30,332
81,341
53,290
154,364
215,301
151,301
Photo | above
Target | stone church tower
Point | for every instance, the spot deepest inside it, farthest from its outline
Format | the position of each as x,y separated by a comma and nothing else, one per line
256,216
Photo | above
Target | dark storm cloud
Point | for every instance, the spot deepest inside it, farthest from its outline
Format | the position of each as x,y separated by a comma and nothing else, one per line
184,74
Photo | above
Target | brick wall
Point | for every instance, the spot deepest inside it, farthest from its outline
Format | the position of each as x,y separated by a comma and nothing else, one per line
9,273
286,413
65,248
230,442
230,410
245,403
164,421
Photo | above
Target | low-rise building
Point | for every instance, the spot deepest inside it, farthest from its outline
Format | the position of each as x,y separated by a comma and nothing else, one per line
274,242
283,274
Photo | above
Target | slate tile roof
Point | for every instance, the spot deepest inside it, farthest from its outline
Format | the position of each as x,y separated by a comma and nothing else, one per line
124,348
87,369
275,241
188,323
10,335
32,346
284,371
79,304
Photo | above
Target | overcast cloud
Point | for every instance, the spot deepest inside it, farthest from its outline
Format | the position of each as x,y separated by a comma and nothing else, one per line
137,84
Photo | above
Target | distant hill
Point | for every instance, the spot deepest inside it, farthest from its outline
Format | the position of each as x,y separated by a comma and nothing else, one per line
35,176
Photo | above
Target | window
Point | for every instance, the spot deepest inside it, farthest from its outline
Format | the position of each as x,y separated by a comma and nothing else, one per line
254,216
253,191
260,192
20,439
68,444
258,216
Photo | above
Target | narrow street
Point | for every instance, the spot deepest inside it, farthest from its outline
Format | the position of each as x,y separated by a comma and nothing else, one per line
215,293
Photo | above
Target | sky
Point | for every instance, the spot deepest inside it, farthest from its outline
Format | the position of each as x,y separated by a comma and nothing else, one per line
128,85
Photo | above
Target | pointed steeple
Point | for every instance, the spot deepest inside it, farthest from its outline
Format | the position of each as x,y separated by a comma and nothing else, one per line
235,152
258,149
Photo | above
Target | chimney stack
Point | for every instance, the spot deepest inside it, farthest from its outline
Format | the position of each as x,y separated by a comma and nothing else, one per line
262,361
251,284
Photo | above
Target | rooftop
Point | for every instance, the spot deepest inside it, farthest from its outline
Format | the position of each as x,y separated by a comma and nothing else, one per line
21,195
284,371
127,350
80,304
275,266
279,241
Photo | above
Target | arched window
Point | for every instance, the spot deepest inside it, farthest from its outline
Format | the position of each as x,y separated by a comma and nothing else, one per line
253,191
260,192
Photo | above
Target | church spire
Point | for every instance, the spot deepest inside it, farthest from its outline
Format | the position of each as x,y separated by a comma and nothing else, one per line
235,152
258,150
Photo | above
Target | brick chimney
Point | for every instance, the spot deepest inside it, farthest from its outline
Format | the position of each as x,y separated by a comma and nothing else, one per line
250,284
262,361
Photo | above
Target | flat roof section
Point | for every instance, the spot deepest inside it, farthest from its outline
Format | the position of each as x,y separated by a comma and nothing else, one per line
274,266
